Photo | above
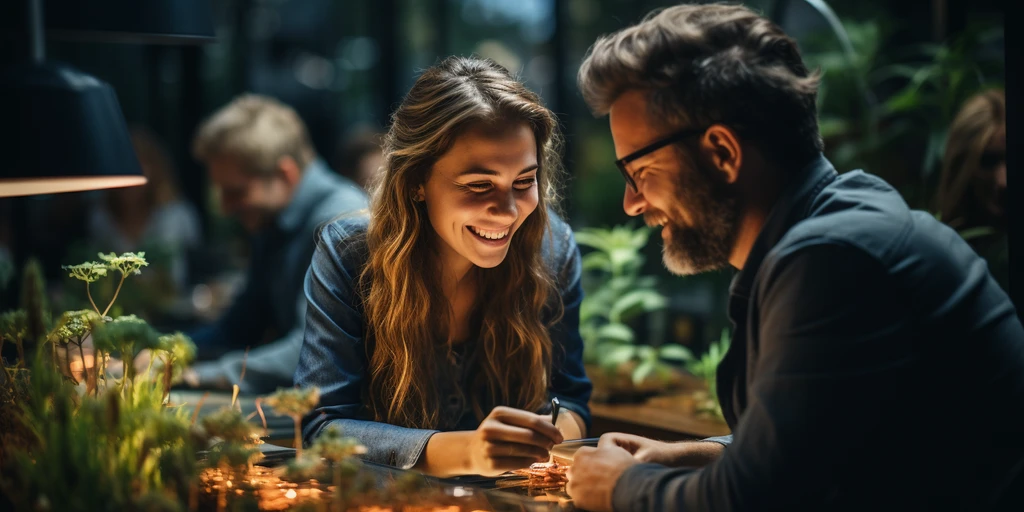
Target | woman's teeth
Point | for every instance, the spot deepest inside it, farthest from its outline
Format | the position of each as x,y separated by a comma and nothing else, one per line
490,235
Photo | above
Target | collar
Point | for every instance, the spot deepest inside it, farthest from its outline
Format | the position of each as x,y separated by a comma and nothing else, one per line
314,183
794,205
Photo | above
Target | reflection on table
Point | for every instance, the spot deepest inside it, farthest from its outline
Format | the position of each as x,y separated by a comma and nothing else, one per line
471,492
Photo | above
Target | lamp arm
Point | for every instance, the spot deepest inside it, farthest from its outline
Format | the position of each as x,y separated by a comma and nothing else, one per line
36,31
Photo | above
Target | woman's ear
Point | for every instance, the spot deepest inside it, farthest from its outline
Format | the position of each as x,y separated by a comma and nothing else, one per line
418,195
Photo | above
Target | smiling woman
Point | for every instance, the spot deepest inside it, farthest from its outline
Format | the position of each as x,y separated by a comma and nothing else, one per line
440,328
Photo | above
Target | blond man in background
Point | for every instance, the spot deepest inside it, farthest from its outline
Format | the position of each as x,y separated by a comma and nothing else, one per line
268,176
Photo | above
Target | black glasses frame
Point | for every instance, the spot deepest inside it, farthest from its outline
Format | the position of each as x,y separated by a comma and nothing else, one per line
650,148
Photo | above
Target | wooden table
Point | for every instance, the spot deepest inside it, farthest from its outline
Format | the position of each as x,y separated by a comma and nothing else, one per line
658,418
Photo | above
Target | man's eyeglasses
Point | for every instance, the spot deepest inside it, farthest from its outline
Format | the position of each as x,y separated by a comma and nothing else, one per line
650,148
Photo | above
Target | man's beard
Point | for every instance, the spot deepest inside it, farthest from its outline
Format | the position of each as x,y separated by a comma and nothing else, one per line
706,245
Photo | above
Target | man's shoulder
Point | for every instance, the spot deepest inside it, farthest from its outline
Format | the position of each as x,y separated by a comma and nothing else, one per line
857,210
340,195
862,213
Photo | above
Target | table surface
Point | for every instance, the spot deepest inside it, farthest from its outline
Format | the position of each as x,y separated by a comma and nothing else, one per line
658,417
474,491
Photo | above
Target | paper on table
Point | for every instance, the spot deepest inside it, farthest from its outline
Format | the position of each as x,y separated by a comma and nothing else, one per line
567,449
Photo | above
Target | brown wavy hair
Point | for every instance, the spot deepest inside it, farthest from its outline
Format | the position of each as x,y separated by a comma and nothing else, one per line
406,311
981,117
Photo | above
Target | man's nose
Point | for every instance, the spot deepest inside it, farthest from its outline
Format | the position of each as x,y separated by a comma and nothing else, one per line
633,202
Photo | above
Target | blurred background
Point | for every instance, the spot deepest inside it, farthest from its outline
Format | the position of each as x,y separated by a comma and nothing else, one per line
895,76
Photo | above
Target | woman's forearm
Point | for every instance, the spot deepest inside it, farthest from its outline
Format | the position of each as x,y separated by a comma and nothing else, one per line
571,425
446,454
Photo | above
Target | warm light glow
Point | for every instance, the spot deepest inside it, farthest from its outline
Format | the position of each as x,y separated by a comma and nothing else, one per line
290,494
13,187
76,362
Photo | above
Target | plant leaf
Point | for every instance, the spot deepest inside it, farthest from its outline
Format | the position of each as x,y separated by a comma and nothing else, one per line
597,261
979,231
616,332
635,302
592,237
643,370
614,356
675,352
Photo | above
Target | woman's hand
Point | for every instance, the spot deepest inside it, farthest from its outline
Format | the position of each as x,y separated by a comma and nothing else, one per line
510,439
506,439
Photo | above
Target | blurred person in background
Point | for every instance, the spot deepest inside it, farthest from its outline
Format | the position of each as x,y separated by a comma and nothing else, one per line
266,175
150,217
972,186
359,157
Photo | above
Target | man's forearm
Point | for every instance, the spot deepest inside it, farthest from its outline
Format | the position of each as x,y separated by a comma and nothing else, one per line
694,453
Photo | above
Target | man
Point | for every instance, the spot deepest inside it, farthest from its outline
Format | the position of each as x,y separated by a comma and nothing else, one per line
875,364
268,176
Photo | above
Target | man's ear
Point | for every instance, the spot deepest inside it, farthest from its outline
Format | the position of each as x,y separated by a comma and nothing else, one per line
289,170
722,145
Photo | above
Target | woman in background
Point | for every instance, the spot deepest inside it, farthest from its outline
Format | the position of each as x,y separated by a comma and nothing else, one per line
152,216
439,328
972,187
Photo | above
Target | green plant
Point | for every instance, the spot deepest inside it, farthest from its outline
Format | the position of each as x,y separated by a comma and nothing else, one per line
111,448
126,336
176,352
107,451
706,369
73,329
14,328
615,294
125,447
888,112
126,264
295,403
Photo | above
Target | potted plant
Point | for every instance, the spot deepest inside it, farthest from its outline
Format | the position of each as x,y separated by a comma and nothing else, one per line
706,369
622,367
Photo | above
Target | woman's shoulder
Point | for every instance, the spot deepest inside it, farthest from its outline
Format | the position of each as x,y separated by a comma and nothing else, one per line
344,240
559,249
346,226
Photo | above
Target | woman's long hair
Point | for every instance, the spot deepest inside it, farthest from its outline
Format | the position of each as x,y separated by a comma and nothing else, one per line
407,313
981,117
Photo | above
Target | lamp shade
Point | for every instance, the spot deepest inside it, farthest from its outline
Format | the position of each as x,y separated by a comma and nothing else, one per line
119,21
66,133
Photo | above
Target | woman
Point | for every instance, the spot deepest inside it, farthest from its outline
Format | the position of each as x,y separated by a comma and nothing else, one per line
972,187
150,217
439,329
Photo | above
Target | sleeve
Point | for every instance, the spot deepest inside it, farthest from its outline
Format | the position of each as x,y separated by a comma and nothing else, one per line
829,343
333,358
267,367
241,325
722,440
569,381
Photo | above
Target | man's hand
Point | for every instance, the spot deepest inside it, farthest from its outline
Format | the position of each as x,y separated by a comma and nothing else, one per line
594,473
190,377
686,453
115,366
